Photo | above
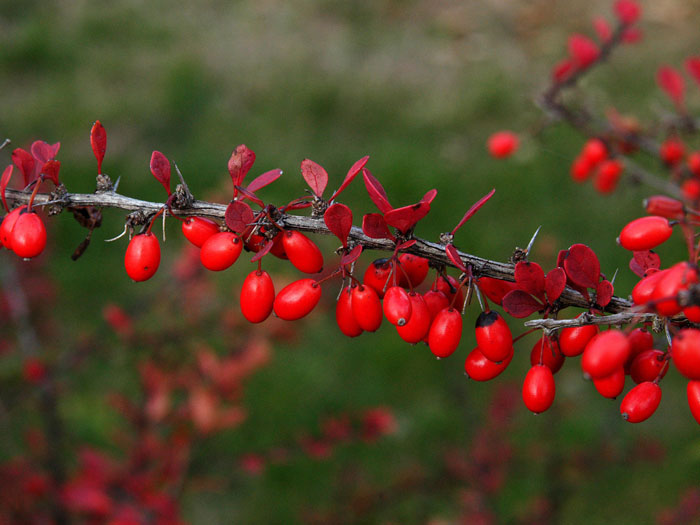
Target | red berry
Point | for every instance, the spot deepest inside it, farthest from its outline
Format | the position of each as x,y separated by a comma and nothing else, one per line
297,299
647,365
8,223
479,368
692,313
503,144
367,308
694,163
493,336
257,296
377,275
545,351
435,301
418,324
581,169
664,206
611,385
539,389
627,11
693,392
397,306
302,252
678,278
672,151
451,288
344,316
574,339
595,151
685,352
198,229
690,189
445,332
142,257
645,233
607,176
644,289
33,370
413,267
28,235
641,402
604,353
220,251
640,340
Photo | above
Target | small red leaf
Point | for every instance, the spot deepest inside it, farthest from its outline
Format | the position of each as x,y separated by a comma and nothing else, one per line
692,66
406,217
554,284
352,256
238,216
376,192
642,261
495,289
25,162
263,180
352,172
160,168
471,211
453,255
520,304
51,169
529,277
604,292
374,226
263,251
582,266
338,218
583,51
315,176
247,194
672,83
429,197
4,181
98,141
239,164
406,245
44,152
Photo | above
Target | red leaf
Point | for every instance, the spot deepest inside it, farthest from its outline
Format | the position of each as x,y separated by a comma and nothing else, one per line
475,207
374,226
692,66
520,304
429,196
495,289
238,216
554,284
604,292
160,168
239,164
406,245
352,172
315,176
352,256
263,180
529,277
406,217
338,218
583,51
562,70
582,266
44,152
672,83
376,191
453,255
98,141
25,162
247,194
642,261
602,27
4,181
263,251
51,169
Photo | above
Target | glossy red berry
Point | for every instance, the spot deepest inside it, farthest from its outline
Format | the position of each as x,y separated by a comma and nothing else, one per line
377,275
645,233
607,175
672,151
28,238
302,252
611,385
690,189
479,368
343,314
679,277
8,223
648,365
640,340
693,393
493,336
414,268
595,151
604,353
641,402
257,296
418,324
692,313
397,306
297,299
685,352
539,389
581,169
694,163
220,251
142,257
546,351
644,289
198,229
451,288
367,308
435,301
445,332
573,340
664,206
502,144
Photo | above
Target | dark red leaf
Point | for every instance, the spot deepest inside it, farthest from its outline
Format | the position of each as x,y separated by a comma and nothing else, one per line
374,226
429,197
495,289
561,257
239,164
376,191
406,245
315,176
297,205
4,181
51,169
25,162
98,141
453,255
406,217
475,207
44,152
554,284
247,194
529,277
672,83
338,218
642,261
582,266
352,172
263,180
352,256
604,292
263,251
520,304
160,168
238,216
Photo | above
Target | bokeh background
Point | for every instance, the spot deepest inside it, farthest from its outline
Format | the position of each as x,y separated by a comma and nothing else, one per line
418,85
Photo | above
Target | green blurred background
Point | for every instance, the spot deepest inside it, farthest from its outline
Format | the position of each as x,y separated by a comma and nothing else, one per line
419,86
